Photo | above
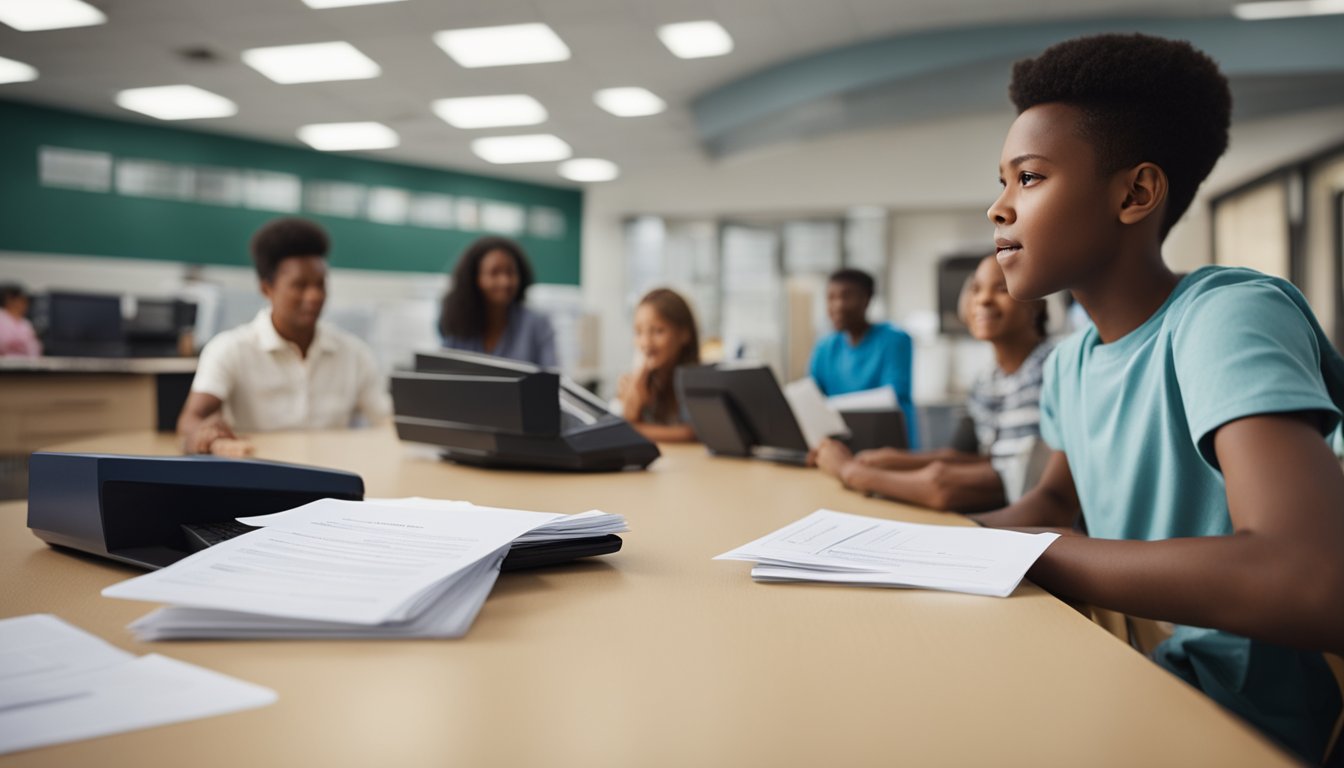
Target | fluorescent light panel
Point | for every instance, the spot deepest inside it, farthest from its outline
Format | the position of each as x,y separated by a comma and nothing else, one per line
531,148
12,71
37,15
490,111
1285,9
176,102
312,63
343,3
502,46
696,39
342,137
589,169
629,102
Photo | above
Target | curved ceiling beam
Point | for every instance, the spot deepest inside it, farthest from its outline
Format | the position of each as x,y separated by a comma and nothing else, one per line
1274,66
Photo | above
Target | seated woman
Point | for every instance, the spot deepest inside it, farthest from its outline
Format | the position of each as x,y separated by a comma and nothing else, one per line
665,337
483,310
1004,405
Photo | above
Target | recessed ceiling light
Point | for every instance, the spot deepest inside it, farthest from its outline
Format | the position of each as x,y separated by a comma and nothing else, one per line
12,71
490,111
343,3
629,102
696,39
532,148
311,63
36,15
501,46
176,102
1284,9
589,169
341,137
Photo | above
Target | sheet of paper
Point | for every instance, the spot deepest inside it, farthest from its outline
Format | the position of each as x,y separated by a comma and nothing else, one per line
449,616
141,693
333,560
582,525
59,683
817,419
879,399
835,546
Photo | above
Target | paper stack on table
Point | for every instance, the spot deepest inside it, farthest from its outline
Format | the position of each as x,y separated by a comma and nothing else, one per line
867,551
59,684
335,569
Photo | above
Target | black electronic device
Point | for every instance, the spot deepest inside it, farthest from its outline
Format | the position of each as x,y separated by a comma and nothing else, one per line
80,324
132,508
492,412
879,428
739,410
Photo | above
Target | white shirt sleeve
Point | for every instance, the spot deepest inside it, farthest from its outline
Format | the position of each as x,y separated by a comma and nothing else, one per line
216,369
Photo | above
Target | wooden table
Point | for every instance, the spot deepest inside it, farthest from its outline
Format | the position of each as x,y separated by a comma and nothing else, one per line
49,399
655,656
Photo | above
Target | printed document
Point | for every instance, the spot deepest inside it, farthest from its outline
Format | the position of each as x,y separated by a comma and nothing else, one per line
59,684
334,560
853,549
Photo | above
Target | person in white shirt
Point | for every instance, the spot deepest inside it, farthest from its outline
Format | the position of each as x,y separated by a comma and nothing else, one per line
285,369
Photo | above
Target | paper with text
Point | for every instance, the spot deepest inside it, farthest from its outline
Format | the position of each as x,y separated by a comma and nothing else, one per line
838,547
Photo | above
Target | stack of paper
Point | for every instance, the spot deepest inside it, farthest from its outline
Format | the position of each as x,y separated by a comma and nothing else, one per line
331,568
867,551
59,684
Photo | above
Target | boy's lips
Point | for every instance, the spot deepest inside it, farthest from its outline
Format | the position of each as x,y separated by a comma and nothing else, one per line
1005,248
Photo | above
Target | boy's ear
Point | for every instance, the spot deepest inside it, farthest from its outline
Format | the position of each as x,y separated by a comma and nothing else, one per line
1145,192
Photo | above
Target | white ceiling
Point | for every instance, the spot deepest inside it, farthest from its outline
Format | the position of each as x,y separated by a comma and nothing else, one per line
613,43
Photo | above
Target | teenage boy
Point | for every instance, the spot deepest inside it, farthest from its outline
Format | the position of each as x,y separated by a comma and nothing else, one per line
283,370
862,355
1189,420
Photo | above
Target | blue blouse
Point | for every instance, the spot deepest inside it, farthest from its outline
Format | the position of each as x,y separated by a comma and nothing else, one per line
528,336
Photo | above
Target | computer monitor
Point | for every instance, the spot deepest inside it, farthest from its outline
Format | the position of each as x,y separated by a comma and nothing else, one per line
81,325
740,410
488,411
156,325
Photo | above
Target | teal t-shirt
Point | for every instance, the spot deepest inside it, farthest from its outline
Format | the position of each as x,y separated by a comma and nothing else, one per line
1136,419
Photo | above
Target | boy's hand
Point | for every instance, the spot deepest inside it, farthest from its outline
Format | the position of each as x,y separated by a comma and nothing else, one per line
832,456
232,448
211,429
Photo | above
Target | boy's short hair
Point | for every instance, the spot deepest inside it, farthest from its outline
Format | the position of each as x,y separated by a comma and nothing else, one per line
282,238
857,277
1143,99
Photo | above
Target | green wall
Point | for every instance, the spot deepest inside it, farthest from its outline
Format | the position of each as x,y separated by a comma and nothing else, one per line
46,219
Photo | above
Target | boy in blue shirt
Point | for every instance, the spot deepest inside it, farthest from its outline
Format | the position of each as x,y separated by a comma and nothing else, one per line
1189,420
861,355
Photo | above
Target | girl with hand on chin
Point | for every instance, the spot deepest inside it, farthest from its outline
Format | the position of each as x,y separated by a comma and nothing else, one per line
665,337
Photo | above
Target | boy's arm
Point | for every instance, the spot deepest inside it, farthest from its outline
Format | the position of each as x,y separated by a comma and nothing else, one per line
1279,577
1053,503
895,458
938,485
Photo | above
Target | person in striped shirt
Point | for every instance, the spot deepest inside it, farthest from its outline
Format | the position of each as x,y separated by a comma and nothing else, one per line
1004,406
